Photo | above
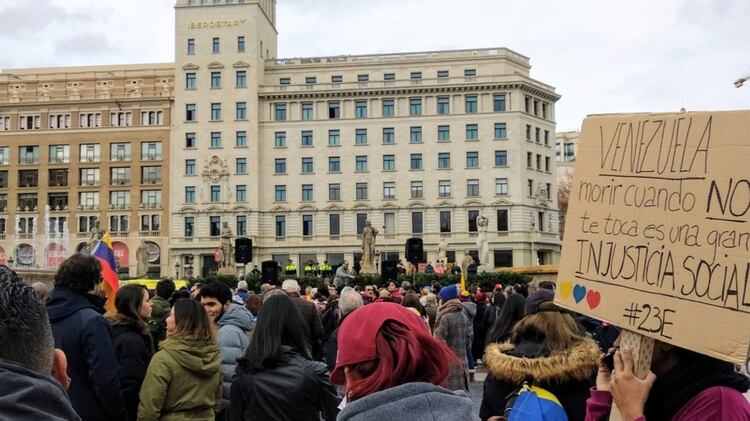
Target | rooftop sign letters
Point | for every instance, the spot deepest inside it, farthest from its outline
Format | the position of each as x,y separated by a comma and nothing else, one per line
198,24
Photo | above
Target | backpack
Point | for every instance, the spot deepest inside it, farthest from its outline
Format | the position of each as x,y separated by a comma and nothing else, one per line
533,403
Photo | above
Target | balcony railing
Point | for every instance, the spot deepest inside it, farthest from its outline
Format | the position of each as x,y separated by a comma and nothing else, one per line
120,181
58,183
152,180
89,182
121,157
90,158
119,206
151,157
119,233
28,160
88,207
58,160
149,233
150,205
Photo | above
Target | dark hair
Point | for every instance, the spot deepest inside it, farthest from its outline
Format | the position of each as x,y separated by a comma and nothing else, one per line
547,285
165,288
181,293
279,324
25,332
79,273
217,290
405,356
191,321
323,290
128,301
411,299
510,314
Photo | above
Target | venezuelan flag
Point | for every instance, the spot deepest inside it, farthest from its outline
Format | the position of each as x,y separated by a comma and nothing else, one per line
103,251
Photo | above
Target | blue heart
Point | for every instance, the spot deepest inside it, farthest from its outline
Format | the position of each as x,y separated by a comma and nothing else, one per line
579,293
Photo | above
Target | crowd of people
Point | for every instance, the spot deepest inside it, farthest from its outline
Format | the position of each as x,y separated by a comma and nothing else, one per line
331,352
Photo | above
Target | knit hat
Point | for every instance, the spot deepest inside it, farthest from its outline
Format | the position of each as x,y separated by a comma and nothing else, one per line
359,329
537,298
449,292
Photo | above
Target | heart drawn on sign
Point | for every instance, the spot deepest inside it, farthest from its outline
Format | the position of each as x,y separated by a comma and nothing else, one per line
579,293
593,298
565,289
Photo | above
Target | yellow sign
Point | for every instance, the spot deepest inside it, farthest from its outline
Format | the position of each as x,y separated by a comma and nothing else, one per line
215,23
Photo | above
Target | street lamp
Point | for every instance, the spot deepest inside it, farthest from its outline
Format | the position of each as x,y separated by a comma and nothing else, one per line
177,270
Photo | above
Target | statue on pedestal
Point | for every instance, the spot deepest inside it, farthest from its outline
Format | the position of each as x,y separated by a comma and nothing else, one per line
141,257
442,251
227,251
482,244
96,233
369,235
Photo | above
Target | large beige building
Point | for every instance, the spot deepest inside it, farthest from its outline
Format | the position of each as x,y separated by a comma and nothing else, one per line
297,153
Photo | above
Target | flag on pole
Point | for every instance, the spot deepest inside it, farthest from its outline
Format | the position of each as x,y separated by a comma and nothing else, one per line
463,282
105,254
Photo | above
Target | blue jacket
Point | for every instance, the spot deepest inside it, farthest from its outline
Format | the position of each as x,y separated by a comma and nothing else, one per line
84,335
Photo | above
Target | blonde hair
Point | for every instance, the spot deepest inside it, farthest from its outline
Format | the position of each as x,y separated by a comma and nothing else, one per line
555,330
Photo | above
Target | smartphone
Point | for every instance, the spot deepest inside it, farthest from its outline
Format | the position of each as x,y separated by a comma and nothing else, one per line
609,358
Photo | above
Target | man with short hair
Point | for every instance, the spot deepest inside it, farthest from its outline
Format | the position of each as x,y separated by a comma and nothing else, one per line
313,325
234,323
349,301
343,277
27,357
81,332
240,296
160,309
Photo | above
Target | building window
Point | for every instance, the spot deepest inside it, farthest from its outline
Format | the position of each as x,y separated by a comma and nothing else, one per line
389,135
240,139
334,164
363,78
416,223
190,81
311,80
280,226
280,140
501,131
216,139
215,111
189,167
502,220
150,175
30,154
444,160
241,113
445,221
215,194
361,191
415,107
152,118
280,110
415,76
537,135
334,224
471,103
498,102
540,219
285,81
123,119
307,192
60,154
389,223
334,110
280,193
415,134
546,163
570,152
307,165
470,73
443,105
334,138
389,190
241,165
528,133
472,132
442,74
215,80
240,44
215,225
190,140
444,133
444,188
334,191
190,46
389,109
307,138
241,225
503,258
538,162
472,188
190,194
189,226
63,121
215,45
336,79
240,79
416,161
360,137
529,159
150,151
150,198
389,162
307,111
361,163
389,76
531,187
417,191
546,138
190,112
501,186
360,109
279,166
472,159
473,215
501,158
307,225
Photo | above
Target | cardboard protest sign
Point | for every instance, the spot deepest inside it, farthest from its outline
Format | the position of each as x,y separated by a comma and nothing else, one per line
657,235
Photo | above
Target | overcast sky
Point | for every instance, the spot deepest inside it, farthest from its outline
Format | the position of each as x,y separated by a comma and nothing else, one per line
601,56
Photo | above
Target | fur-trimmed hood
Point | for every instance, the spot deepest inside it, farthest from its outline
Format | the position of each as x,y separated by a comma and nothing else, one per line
514,363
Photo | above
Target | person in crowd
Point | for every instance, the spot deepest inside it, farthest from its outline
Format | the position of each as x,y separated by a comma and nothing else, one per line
392,369
547,285
384,296
329,313
531,287
453,328
456,270
253,304
400,268
264,288
195,289
343,276
411,301
512,312
313,327
429,268
240,296
132,342
498,296
28,360
350,300
546,349
234,322
76,314
480,328
394,292
255,271
184,379
277,378
439,269
430,310
470,310
423,294
406,287
371,293
160,308
41,289
321,298
682,385
326,270
180,293
290,269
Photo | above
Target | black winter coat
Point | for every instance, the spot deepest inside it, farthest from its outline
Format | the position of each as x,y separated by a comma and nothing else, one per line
295,390
81,332
313,326
133,350
568,376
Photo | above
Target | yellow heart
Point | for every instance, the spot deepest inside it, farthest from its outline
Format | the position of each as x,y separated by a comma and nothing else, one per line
565,289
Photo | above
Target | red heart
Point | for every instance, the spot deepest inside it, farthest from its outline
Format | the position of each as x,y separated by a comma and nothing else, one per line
593,298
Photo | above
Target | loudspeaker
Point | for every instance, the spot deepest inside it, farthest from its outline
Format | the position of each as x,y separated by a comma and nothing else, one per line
243,250
388,271
269,272
414,250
